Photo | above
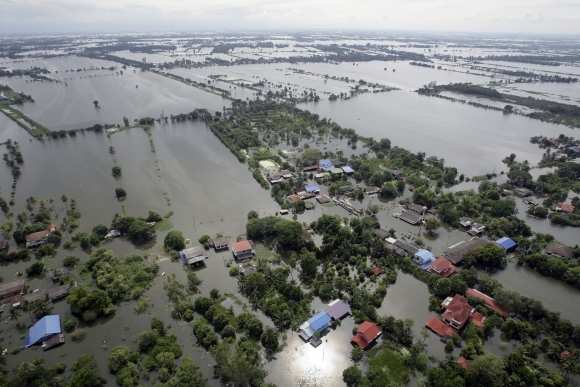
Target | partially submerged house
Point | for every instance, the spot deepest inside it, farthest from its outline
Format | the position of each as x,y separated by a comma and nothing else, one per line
11,289
220,243
423,258
455,253
54,341
409,248
37,238
457,311
59,292
508,244
45,328
316,324
193,255
399,175
57,274
488,301
243,249
337,309
476,229
336,171
559,250
381,233
565,208
325,165
312,189
411,217
417,208
347,170
464,221
442,267
246,271
366,334
322,199
345,189
523,192
372,190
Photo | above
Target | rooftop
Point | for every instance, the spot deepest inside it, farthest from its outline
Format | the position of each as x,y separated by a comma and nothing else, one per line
11,287
365,334
241,246
347,169
455,252
561,250
46,327
410,217
506,243
337,309
457,309
489,302
381,233
442,266
36,236
319,321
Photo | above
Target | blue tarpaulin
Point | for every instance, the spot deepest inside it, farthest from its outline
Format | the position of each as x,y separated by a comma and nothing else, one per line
45,328
506,243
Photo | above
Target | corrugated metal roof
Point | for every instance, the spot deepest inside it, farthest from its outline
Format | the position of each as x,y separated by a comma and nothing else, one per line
46,327
320,321
337,310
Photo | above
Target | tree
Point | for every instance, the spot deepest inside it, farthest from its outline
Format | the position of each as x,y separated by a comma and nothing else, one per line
289,232
236,366
126,121
253,215
356,354
269,338
116,171
174,240
41,308
352,376
486,370
64,199
86,373
214,294
202,304
96,103
118,358
308,265
154,216
490,255
35,269
14,314
120,192
431,224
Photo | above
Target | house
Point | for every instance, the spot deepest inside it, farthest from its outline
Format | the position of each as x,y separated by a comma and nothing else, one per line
559,250
442,267
455,253
396,250
286,174
220,243
243,249
565,208
553,142
423,258
366,334
337,309
33,297
457,311
464,221
508,244
275,178
54,341
476,229
3,97
312,189
377,271
416,208
322,199
489,302
411,217
348,170
11,289
51,227
325,165
316,324
399,175
322,175
45,328
575,149
383,234
440,328
336,171
59,273
37,238
310,168
59,292
336,162
344,189
523,191
372,190
193,255
293,198
409,248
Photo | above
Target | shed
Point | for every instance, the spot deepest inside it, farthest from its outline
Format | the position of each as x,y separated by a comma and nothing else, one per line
523,191
37,238
424,258
508,244
246,271
337,309
193,255
45,328
372,190
377,271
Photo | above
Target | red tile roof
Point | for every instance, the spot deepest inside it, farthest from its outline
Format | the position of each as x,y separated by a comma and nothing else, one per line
457,309
241,246
442,266
378,271
477,318
367,332
439,327
489,302
566,207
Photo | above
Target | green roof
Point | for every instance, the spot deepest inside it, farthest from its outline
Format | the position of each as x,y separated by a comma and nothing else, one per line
336,170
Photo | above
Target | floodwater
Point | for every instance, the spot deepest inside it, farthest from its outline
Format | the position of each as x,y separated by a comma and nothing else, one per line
209,191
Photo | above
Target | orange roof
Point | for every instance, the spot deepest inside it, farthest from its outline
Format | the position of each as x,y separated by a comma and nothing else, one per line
241,246
444,267
566,207
377,270
439,327
477,318
365,334
463,363
458,309
489,302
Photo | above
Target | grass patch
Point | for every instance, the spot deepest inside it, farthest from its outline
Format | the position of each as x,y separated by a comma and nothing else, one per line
164,225
387,357
222,309
262,251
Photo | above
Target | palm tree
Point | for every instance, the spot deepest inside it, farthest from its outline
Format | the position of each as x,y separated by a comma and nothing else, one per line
42,204
64,199
41,308
27,307
14,314
32,201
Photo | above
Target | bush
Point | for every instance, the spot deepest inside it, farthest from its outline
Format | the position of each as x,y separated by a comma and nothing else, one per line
214,294
59,368
120,193
116,171
174,240
69,261
356,354
78,335
69,324
35,269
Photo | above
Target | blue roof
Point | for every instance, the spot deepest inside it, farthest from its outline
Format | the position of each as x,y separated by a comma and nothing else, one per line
347,169
45,328
424,258
325,163
506,243
311,188
319,322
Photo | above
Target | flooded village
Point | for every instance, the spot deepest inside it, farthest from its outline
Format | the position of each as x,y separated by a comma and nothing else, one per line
187,210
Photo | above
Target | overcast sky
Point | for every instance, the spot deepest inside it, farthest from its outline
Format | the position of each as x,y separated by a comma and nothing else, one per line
520,16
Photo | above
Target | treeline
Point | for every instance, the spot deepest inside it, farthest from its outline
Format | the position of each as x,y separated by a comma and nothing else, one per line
546,60
464,88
